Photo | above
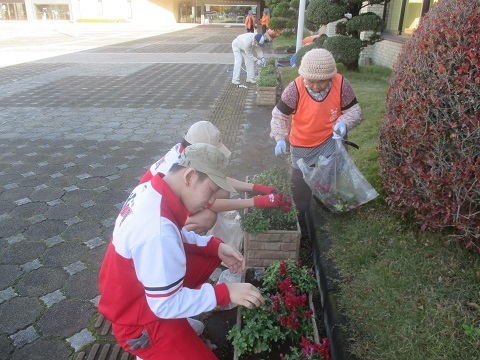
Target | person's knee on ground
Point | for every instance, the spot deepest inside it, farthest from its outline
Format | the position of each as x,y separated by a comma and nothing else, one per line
201,222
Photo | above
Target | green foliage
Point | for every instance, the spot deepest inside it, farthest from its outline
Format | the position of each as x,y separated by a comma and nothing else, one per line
267,76
302,52
368,21
276,23
345,50
270,62
258,220
471,330
322,12
285,288
430,140
267,81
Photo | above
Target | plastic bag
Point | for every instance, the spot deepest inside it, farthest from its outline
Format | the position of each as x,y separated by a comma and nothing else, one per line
228,278
337,182
228,228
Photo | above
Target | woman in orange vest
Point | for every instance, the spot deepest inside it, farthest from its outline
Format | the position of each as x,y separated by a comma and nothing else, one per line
250,22
264,20
315,108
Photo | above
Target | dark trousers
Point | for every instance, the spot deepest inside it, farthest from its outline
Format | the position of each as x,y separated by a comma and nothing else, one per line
302,194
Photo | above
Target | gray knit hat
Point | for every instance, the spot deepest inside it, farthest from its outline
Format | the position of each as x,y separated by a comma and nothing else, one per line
318,64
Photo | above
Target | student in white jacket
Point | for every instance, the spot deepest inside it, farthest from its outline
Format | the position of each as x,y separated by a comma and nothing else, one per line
243,47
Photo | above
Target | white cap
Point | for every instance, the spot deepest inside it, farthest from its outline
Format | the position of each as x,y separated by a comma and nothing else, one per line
206,133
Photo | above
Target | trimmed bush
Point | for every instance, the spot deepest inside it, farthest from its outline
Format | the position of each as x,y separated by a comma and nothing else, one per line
429,143
301,52
345,50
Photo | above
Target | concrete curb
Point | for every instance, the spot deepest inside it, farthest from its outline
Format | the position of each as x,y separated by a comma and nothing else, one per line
327,280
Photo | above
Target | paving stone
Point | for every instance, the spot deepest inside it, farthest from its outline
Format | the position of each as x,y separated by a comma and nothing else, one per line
24,337
46,194
45,229
83,231
42,349
63,211
41,281
93,258
54,241
92,183
10,273
31,265
7,294
16,239
6,346
83,285
80,196
66,318
22,252
75,267
53,298
63,254
81,339
6,206
18,313
98,212
55,202
23,201
93,243
30,209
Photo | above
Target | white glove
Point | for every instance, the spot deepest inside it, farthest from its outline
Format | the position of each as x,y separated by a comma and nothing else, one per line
261,62
280,148
339,130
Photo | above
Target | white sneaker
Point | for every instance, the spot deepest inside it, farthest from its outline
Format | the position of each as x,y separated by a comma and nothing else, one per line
235,82
196,325
251,81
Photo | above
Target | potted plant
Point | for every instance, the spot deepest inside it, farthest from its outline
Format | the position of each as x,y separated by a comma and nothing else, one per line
271,234
267,84
284,327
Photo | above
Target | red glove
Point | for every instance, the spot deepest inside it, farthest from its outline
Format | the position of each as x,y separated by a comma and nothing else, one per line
264,189
268,201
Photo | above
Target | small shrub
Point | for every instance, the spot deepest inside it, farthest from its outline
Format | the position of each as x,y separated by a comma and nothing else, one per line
429,143
302,52
345,50
267,70
269,80
260,220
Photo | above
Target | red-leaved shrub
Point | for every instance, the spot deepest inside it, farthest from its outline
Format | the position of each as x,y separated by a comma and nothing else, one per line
429,143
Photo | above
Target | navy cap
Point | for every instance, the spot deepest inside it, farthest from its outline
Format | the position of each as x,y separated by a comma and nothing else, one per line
260,39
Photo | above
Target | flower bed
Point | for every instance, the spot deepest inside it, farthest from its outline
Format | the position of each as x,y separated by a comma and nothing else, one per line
271,234
285,326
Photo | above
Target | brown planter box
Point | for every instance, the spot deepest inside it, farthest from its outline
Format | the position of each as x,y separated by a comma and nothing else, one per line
259,250
267,95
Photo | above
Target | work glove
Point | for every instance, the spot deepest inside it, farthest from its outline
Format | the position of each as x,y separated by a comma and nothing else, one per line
280,148
142,342
264,189
339,130
261,62
268,201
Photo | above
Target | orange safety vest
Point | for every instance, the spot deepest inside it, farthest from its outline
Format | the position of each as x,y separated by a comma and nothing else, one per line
313,121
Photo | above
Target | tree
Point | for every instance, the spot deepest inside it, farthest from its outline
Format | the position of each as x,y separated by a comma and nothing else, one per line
284,14
346,45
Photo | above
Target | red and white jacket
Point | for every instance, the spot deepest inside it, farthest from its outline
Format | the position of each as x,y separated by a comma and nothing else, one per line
141,278
164,164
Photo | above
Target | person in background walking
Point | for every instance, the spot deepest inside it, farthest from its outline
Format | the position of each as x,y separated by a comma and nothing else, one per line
250,22
317,107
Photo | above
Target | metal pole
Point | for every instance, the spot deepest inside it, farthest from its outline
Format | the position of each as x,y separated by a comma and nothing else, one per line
301,21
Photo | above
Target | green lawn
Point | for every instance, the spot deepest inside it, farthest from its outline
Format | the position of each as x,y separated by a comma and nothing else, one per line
408,294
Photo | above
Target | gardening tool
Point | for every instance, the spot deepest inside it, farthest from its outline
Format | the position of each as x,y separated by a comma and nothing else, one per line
346,142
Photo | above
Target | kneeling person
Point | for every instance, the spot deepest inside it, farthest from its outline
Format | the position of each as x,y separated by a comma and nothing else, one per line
155,272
